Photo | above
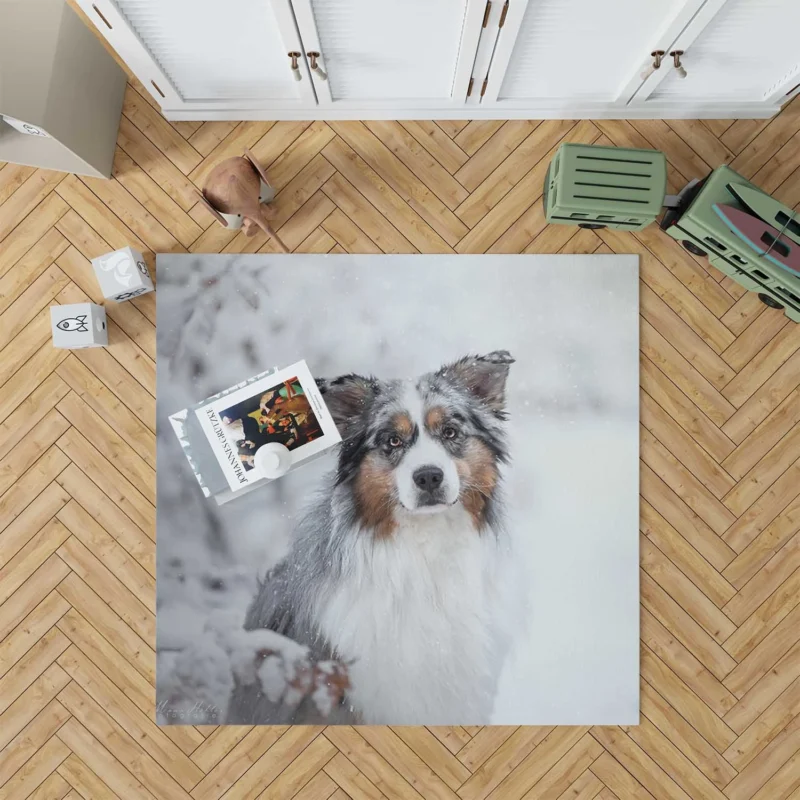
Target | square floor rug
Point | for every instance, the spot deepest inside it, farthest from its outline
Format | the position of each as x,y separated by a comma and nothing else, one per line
467,555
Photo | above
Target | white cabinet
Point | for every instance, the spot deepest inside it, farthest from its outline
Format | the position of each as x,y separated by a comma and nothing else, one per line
381,54
739,51
208,54
578,52
339,59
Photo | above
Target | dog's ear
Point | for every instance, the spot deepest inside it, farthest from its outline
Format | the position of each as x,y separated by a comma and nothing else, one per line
482,376
347,397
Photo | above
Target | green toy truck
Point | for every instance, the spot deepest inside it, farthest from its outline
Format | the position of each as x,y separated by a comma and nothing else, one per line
605,187
598,187
702,232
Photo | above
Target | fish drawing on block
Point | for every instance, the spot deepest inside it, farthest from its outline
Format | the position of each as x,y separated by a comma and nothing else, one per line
77,324
764,239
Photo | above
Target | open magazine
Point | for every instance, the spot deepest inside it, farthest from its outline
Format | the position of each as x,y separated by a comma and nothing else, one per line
283,406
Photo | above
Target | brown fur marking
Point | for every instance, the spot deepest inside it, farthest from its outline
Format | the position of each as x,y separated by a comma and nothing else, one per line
434,418
403,424
374,494
478,472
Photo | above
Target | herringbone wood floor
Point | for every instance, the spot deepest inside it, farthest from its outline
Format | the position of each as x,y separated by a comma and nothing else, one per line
720,470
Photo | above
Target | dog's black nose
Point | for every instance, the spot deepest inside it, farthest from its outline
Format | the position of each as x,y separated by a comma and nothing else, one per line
428,478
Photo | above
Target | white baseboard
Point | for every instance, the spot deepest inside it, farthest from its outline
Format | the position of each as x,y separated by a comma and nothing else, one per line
649,111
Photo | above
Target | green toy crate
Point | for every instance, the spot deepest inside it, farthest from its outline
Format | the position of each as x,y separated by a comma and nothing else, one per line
697,226
597,187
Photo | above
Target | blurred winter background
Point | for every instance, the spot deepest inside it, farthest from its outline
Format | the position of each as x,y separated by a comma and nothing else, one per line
571,322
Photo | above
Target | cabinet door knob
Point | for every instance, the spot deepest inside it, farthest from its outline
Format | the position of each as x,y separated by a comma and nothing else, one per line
294,55
657,56
676,58
321,74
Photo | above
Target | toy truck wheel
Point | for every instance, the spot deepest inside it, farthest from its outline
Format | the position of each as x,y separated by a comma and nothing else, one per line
592,226
769,301
693,248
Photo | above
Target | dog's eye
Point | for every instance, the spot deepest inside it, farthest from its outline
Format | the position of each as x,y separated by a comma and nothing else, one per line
449,432
395,441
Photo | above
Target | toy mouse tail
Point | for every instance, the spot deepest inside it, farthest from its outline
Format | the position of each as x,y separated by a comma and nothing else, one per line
270,231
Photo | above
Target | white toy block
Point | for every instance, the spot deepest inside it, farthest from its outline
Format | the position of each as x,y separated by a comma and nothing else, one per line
78,325
122,274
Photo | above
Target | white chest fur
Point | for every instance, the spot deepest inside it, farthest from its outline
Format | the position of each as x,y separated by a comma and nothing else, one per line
418,615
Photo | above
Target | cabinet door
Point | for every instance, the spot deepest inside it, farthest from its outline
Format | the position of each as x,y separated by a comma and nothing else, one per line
410,54
231,55
557,54
745,51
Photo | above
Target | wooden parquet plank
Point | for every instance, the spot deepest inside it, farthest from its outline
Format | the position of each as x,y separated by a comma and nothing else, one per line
37,296
476,133
437,143
112,627
29,233
769,614
684,556
38,732
450,769
130,735
389,185
684,412
278,141
538,763
109,516
299,153
720,511
518,190
347,198
113,556
15,282
759,699
348,778
37,768
764,473
766,398
425,168
769,724
159,131
685,701
686,594
766,578
489,157
26,527
111,480
12,176
279,757
239,757
649,774
144,153
209,135
690,744
618,780
114,593
31,629
153,198
83,781
684,448
25,199
703,141
301,770
108,770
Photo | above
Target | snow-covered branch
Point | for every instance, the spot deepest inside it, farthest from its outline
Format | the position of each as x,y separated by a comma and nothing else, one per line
206,666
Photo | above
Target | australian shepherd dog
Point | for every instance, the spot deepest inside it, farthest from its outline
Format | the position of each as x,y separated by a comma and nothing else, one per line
402,568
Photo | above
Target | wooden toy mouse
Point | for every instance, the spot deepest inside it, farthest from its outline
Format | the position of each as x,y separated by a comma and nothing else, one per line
233,194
